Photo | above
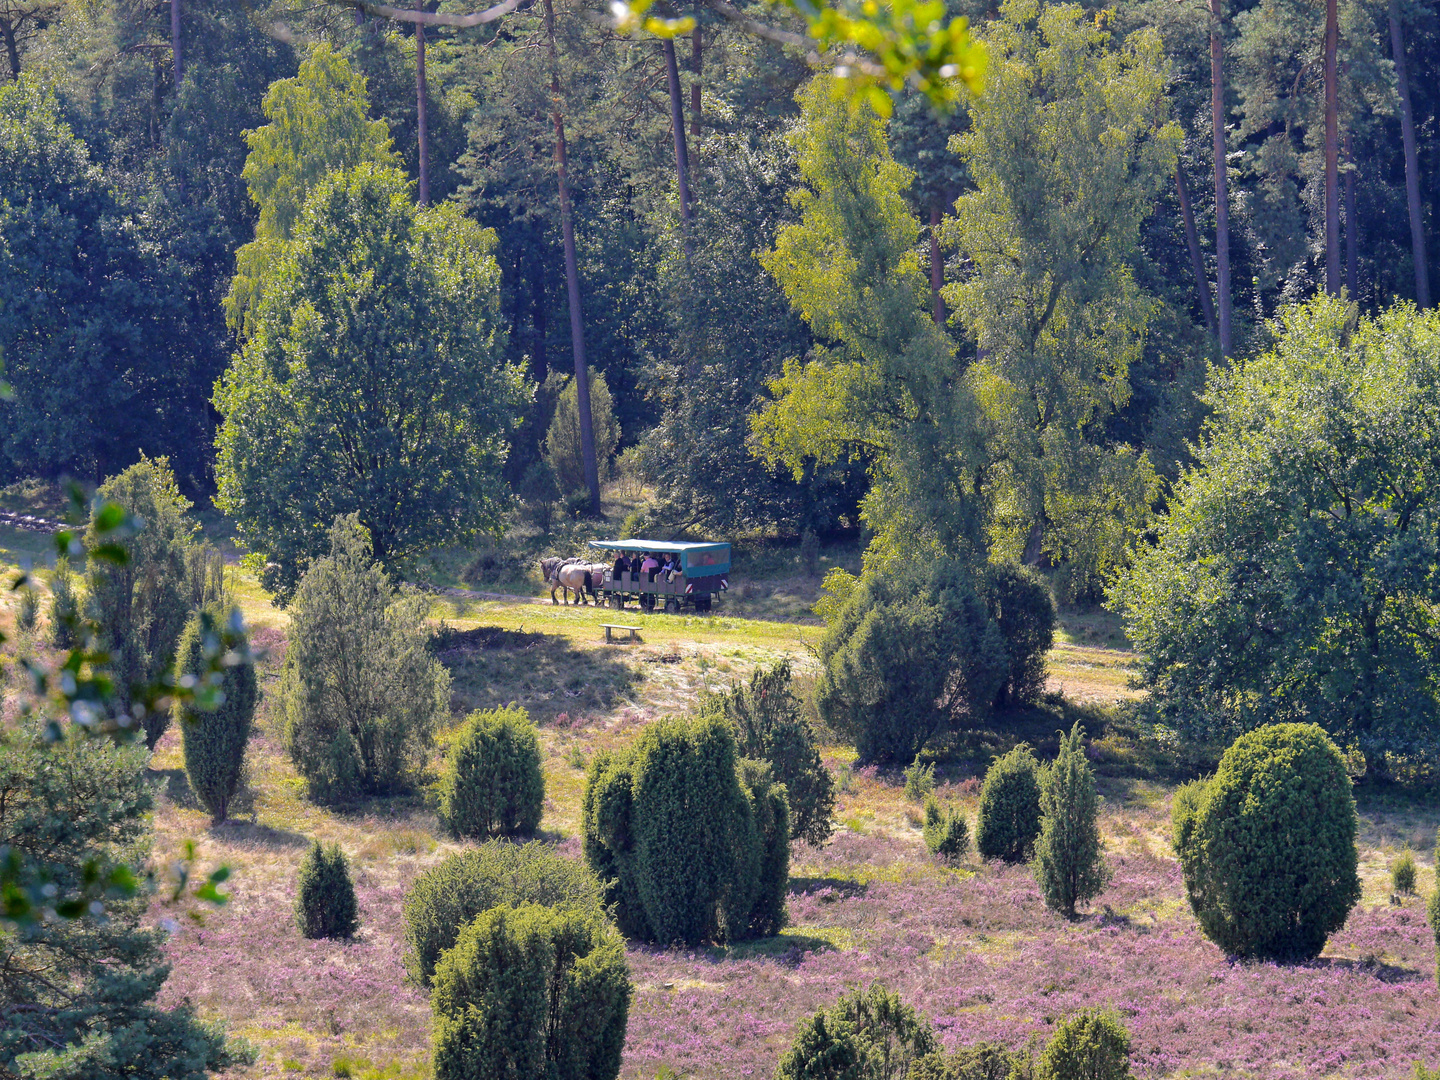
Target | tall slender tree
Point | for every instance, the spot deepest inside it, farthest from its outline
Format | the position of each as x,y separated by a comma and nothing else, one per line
1222,195
175,51
682,155
1332,147
1192,243
1412,165
421,127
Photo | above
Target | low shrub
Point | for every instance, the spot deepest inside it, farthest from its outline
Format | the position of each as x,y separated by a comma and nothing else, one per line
1019,601
946,833
1432,910
919,781
1267,845
452,893
64,605
532,991
27,613
325,896
691,846
866,1035
1009,820
493,782
1402,874
1069,860
980,1061
1090,1046
214,740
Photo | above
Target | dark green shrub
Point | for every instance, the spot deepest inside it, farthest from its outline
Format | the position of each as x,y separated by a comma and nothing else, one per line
360,694
451,894
64,605
1022,607
1090,1046
866,1035
677,832
946,833
493,783
214,740
27,612
769,726
1267,844
1009,820
325,896
907,653
919,781
141,605
1402,875
532,991
980,1061
1069,864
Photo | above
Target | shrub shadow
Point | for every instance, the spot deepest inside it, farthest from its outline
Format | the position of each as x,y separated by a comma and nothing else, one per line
175,786
785,947
254,834
841,888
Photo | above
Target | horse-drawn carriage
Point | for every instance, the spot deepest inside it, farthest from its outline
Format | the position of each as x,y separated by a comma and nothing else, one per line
700,571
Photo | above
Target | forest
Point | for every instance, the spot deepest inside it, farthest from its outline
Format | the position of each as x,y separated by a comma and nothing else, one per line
1043,397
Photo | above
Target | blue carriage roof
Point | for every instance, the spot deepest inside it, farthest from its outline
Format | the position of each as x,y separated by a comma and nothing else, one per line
670,546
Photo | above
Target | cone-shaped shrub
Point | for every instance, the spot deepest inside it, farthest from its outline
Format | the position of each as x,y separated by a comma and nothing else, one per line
1267,844
1069,864
64,605
450,895
978,1061
866,1035
678,835
1090,1046
532,991
325,898
1009,819
946,833
773,833
214,740
493,783
1432,910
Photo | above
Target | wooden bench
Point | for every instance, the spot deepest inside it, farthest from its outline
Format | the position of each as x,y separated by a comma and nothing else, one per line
611,627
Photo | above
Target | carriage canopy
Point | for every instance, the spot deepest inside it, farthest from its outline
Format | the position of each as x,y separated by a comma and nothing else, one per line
696,560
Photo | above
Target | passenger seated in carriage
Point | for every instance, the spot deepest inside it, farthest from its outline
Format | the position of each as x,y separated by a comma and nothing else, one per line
668,567
622,565
649,566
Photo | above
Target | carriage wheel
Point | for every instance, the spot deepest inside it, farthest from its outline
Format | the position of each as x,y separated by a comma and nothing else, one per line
672,606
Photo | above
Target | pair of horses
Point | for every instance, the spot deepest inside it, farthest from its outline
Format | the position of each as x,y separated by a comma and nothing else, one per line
573,575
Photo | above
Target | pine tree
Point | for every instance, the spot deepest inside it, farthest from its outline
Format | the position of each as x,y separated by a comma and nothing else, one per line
1069,863
214,740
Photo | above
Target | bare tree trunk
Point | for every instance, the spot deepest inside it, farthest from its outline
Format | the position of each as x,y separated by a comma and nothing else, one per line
937,264
1352,226
572,276
1332,148
695,69
1412,167
175,42
682,155
421,127
1222,196
1192,241
12,48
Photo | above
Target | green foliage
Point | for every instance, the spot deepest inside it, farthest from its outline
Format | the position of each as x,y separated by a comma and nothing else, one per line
691,846
493,782
142,604
562,439
1009,820
360,694
946,832
769,726
1267,844
318,125
64,605
1067,151
1432,916
1292,579
27,612
324,894
532,991
1090,1046
1069,860
919,780
909,652
1023,609
79,993
452,894
374,382
214,740
866,1035
979,1061
1402,874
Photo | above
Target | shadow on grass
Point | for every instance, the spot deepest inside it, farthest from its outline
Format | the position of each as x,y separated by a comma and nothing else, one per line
840,888
1377,969
252,833
788,947
175,787
491,667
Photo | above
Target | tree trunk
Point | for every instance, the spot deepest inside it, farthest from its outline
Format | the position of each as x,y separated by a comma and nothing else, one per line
175,42
937,265
682,156
695,69
12,48
1192,241
1222,197
572,276
1412,167
421,127
1352,237
1332,148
